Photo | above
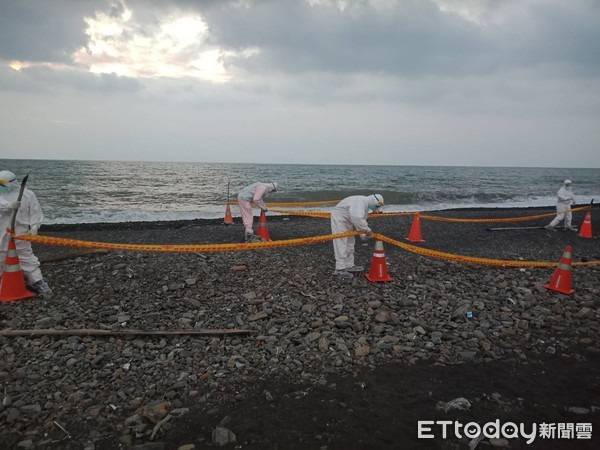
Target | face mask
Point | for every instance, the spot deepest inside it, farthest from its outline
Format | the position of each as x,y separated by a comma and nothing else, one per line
4,189
372,207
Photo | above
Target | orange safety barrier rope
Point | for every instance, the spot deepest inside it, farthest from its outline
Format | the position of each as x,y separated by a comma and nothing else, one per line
473,259
507,219
319,215
391,214
325,215
294,204
291,205
200,248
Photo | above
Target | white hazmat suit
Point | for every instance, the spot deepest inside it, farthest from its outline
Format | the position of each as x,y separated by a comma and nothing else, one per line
348,215
253,194
566,198
28,220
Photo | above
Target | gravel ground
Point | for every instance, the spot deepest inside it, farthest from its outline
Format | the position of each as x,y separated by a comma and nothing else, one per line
330,363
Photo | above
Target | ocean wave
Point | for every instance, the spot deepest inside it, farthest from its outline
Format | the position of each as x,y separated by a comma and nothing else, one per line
116,191
164,213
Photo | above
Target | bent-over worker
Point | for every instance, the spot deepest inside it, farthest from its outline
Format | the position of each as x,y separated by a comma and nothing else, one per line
348,215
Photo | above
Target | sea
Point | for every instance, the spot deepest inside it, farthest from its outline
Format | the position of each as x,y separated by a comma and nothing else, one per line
125,191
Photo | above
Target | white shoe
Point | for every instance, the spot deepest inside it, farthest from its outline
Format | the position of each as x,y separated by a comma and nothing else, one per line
571,229
355,269
550,227
342,274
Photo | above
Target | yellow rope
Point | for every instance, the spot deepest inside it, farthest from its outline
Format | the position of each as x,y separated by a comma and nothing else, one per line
294,204
473,259
291,205
325,215
201,248
507,219
320,215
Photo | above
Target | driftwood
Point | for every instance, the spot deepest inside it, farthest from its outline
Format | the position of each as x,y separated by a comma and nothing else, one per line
63,257
121,332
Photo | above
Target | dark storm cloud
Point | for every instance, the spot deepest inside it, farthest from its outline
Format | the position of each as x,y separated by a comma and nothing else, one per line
297,37
36,30
412,38
564,34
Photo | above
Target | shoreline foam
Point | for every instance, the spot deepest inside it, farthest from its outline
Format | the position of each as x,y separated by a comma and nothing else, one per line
179,223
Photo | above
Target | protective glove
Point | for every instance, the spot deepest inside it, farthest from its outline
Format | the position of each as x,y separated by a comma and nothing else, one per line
15,205
33,230
367,235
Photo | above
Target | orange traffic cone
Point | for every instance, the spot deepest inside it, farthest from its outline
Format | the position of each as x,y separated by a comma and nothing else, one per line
228,218
415,230
378,270
561,280
586,228
12,284
263,229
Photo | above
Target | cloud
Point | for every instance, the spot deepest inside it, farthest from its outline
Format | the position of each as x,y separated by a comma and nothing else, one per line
43,31
409,80
299,37
108,37
407,38
49,77
172,45
313,47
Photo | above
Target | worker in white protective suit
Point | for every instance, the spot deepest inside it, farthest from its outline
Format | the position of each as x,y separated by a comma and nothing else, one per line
566,199
348,215
28,221
254,194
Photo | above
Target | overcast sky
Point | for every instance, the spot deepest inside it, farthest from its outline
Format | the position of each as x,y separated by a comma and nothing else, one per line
416,82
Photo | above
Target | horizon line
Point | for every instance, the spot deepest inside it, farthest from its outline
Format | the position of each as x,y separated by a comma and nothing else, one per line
294,164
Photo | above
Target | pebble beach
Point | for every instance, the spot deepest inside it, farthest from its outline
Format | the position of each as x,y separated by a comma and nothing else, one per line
324,363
